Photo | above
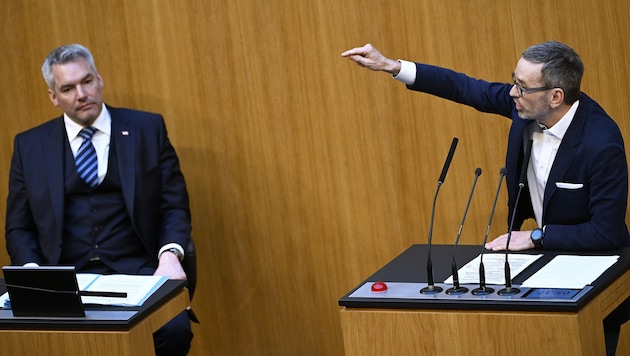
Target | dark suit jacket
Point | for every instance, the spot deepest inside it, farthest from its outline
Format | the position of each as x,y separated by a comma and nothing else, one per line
153,186
591,153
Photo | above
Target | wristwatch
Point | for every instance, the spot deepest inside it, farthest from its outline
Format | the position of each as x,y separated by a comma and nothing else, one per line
537,237
177,253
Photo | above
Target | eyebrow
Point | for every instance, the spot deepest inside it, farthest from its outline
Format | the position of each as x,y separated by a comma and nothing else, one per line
67,86
516,79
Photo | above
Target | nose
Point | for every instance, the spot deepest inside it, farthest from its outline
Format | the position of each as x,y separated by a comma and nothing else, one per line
80,91
514,92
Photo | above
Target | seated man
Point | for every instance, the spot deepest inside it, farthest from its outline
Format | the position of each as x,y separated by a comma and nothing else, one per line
99,188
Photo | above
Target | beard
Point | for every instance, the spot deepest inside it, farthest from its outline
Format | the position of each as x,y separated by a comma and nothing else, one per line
537,111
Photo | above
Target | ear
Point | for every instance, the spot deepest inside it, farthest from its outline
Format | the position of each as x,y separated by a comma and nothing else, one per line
557,97
53,97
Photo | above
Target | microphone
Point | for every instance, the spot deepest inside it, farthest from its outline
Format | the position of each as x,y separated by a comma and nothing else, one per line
447,163
457,289
77,292
431,288
509,290
483,290
86,293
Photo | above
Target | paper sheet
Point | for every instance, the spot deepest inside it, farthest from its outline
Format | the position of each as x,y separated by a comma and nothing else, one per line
571,272
138,288
494,265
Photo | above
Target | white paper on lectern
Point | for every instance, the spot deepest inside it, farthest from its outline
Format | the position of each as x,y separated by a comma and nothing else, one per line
572,272
4,299
494,266
138,288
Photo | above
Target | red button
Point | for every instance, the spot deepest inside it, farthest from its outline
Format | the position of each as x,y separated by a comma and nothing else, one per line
379,287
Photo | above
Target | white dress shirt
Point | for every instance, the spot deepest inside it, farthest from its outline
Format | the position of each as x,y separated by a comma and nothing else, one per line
100,140
544,149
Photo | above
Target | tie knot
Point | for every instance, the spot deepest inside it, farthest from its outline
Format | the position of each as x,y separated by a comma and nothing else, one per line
87,132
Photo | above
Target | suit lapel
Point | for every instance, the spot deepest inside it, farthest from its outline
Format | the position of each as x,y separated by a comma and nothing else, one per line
53,152
565,156
123,139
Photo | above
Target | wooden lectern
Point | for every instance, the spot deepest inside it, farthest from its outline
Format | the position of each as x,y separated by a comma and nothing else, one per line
132,336
480,327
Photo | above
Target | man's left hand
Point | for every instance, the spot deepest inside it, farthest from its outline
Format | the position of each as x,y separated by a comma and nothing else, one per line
170,266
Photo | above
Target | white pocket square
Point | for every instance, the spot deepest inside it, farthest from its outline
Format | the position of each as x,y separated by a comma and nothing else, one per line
563,185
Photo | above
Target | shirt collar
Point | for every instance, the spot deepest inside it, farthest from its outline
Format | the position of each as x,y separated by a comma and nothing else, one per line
103,123
560,128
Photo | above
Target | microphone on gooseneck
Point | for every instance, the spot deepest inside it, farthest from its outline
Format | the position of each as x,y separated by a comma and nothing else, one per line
483,290
77,292
431,288
457,289
509,290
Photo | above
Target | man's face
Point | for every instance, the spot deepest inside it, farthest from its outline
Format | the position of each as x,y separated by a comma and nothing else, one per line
532,105
78,91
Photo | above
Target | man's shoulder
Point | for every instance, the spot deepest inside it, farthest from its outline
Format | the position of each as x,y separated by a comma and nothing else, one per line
135,117
43,128
596,126
590,106
593,113
127,112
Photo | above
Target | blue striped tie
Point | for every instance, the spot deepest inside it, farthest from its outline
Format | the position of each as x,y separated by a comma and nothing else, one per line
86,161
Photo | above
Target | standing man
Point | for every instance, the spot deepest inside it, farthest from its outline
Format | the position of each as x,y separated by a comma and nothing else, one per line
577,176
99,188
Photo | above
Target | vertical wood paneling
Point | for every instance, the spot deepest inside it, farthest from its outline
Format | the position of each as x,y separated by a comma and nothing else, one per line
306,173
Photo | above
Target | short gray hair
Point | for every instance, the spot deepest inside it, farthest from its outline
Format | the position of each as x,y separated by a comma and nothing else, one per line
562,67
62,55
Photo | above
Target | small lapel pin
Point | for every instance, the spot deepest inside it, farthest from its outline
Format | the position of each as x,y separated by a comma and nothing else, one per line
125,133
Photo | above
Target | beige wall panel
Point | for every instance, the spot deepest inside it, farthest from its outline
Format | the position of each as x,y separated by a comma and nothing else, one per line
306,172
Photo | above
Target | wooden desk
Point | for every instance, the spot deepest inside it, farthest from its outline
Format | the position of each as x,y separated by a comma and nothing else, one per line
457,331
81,341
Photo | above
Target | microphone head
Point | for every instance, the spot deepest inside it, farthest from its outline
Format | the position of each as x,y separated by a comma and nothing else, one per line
447,163
503,171
478,171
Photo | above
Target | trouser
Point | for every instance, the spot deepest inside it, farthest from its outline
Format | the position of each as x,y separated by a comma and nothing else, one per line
612,326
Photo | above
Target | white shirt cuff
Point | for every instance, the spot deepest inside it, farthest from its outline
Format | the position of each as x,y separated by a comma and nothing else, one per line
407,72
170,246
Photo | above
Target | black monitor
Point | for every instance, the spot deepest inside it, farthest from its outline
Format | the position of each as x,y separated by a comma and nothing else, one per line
43,291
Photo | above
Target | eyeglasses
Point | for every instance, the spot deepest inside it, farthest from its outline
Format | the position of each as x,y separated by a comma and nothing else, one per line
522,91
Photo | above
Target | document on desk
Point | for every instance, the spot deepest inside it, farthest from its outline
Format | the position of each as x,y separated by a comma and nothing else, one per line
138,288
494,266
570,272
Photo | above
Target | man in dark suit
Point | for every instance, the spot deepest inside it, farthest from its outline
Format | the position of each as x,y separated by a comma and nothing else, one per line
125,210
577,175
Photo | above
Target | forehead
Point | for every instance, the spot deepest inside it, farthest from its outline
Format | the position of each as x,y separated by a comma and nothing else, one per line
71,72
527,72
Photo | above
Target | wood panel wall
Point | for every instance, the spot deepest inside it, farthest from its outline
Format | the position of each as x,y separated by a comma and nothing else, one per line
306,172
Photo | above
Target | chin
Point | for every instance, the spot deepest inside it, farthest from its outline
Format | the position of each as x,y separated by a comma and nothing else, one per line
84,120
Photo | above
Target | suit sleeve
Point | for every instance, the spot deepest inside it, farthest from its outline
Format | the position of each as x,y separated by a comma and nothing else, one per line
20,229
484,96
175,220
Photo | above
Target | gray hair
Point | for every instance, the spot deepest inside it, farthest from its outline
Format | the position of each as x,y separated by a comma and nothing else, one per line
62,55
562,67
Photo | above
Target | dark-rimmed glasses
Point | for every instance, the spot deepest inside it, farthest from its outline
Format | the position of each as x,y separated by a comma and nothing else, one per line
522,91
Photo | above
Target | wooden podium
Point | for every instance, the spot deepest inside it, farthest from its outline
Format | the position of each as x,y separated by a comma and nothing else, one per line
430,327
86,338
